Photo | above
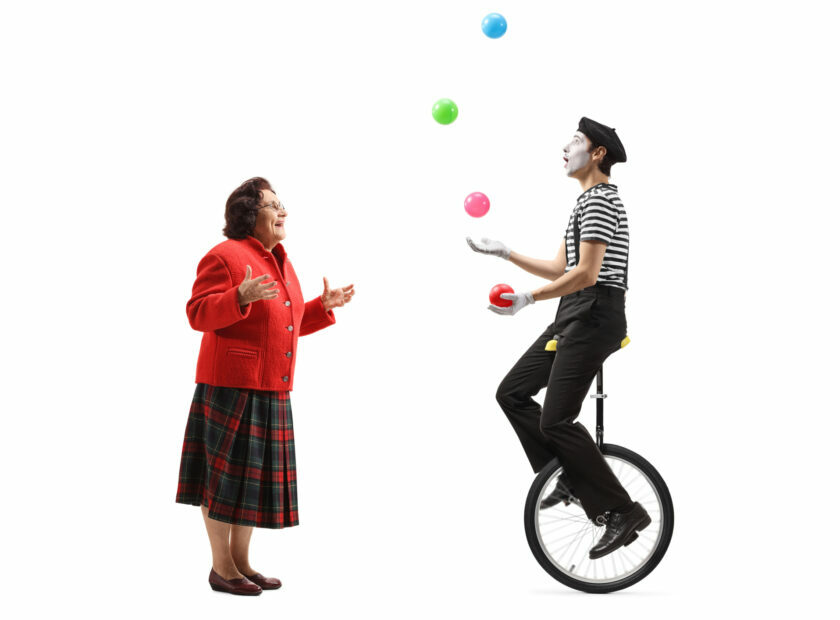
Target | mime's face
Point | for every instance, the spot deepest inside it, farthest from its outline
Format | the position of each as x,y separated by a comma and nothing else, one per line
576,154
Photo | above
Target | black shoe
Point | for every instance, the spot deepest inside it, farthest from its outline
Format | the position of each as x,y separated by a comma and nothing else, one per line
561,493
621,530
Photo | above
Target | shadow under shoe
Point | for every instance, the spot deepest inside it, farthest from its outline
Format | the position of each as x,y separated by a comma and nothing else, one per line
621,530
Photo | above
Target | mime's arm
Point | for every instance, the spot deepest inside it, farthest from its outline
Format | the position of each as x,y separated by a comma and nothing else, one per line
585,274
548,269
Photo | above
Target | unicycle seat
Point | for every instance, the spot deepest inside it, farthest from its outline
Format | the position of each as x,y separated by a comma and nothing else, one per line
551,345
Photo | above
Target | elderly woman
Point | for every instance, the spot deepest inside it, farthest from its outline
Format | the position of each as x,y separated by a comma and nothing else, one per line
238,458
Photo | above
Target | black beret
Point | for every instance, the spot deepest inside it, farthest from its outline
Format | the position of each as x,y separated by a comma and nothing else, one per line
601,135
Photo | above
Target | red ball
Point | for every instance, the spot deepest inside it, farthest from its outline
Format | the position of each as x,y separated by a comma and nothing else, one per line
496,295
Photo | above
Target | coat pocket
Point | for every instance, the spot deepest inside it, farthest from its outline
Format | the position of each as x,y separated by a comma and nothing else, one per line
239,367
243,353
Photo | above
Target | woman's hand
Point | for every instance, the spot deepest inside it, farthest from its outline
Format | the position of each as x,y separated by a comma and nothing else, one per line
332,298
255,290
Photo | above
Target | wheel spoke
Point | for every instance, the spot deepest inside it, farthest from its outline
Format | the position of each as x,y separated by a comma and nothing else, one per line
553,541
577,546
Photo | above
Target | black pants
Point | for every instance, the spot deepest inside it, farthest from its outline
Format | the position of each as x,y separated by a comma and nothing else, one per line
589,326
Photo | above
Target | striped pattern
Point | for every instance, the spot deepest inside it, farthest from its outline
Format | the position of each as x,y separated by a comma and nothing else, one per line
238,457
602,218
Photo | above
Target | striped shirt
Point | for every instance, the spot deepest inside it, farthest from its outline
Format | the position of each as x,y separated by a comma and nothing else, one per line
602,218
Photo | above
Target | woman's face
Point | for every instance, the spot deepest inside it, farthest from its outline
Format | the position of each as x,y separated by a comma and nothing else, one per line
270,228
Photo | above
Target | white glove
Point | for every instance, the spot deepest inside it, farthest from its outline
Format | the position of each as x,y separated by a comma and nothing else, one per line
520,300
488,246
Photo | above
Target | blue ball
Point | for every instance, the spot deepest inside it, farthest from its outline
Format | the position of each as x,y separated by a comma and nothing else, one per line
494,25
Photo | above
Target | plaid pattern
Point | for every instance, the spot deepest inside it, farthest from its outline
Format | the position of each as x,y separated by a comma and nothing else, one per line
238,457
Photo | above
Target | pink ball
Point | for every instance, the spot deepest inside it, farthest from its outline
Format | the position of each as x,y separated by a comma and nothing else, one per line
477,204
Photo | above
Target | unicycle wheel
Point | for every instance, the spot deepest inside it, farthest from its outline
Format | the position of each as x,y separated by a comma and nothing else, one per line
560,536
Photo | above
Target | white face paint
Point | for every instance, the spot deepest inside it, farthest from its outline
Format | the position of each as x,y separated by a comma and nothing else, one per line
575,154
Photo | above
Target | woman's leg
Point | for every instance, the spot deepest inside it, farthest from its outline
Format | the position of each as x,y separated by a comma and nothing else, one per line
219,533
240,539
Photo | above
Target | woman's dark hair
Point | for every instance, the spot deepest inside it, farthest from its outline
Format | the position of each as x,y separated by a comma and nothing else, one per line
242,206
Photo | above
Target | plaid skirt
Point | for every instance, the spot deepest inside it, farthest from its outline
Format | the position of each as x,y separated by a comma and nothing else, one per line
238,457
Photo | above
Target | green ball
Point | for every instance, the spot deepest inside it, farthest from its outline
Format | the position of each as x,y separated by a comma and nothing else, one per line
445,111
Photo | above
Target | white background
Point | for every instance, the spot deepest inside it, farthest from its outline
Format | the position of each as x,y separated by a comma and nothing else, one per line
126,125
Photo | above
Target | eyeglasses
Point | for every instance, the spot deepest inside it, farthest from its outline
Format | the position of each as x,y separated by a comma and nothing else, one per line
275,206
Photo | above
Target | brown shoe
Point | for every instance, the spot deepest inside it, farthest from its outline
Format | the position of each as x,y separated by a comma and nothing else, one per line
266,583
233,586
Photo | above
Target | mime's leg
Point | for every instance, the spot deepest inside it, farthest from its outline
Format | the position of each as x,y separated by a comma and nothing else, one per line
515,396
575,366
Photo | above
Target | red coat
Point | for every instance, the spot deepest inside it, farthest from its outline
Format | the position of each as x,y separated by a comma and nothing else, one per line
253,347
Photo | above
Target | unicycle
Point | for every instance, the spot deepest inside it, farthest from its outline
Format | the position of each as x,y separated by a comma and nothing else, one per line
560,536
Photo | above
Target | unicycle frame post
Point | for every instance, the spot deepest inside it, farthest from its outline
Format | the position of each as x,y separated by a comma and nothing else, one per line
599,397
